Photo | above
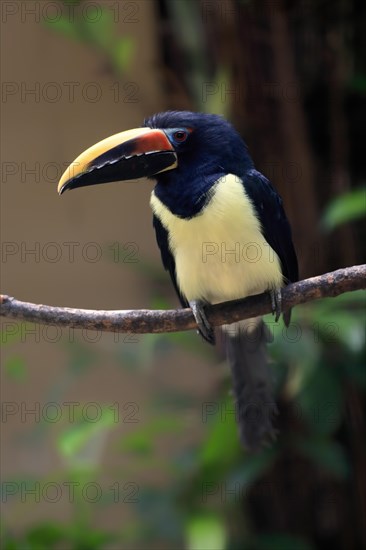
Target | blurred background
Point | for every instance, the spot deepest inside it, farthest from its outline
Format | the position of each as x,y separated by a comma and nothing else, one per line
122,441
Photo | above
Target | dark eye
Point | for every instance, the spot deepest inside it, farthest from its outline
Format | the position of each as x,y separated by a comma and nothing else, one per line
180,136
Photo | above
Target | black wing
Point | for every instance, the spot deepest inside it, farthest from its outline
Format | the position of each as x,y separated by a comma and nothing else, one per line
275,226
166,256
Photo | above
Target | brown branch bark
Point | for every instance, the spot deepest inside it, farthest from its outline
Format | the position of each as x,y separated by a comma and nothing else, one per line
158,321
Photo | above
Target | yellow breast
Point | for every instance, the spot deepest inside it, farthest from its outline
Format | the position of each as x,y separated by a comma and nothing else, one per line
221,253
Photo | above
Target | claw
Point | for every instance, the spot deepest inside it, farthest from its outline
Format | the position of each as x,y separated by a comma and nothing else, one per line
276,302
204,327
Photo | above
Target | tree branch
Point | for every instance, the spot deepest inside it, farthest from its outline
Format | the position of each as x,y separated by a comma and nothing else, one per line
158,321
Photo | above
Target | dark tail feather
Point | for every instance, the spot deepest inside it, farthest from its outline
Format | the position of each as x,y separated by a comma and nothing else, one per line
252,381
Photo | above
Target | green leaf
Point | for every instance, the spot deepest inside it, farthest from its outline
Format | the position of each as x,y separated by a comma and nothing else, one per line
15,368
98,27
89,539
222,443
122,52
206,533
12,545
346,208
84,436
141,441
336,320
45,536
65,26
159,302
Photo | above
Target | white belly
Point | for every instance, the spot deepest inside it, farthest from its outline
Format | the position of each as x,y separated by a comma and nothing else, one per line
221,254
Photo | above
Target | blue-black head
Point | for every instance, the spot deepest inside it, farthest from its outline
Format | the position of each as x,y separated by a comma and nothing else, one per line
208,147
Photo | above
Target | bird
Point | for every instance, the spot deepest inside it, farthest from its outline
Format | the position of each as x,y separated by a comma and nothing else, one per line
222,233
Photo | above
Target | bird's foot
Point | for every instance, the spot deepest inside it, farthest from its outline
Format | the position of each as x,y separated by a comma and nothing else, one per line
204,327
276,302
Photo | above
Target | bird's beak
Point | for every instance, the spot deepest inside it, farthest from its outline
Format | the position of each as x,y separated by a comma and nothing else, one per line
128,155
